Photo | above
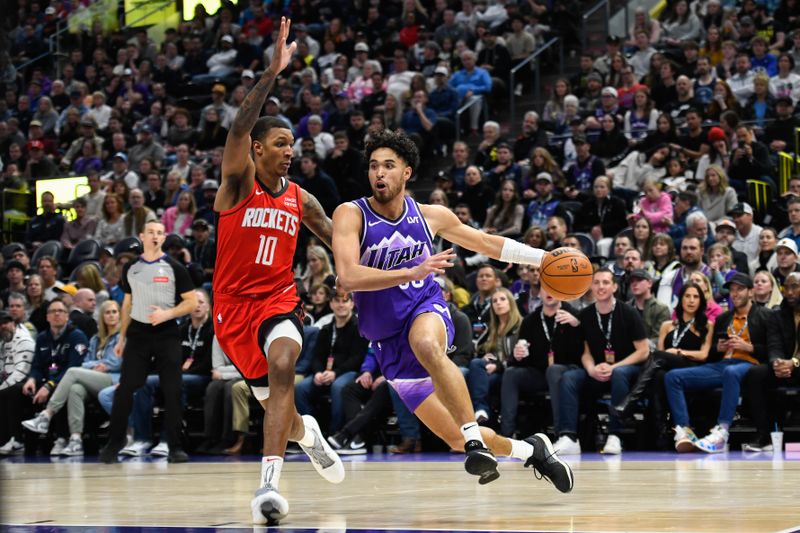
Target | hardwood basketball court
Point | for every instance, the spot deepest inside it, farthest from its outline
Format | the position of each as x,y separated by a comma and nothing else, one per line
635,492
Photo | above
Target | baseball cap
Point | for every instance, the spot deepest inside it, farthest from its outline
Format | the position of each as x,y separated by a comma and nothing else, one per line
121,155
5,316
613,39
209,185
361,47
200,223
173,241
716,134
741,208
640,273
740,278
301,27
88,121
503,145
609,90
725,223
544,176
118,70
50,11
75,94
219,88
15,264
746,21
35,123
35,145
227,39
247,73
315,118
788,244
594,76
70,289
127,72
440,282
579,138
441,70
146,128
274,100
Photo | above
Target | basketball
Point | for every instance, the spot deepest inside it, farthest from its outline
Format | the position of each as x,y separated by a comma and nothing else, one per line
566,273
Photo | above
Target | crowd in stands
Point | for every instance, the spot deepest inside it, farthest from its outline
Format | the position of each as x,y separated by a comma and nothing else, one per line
645,159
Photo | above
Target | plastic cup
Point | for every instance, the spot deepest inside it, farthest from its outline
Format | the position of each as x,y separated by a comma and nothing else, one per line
777,440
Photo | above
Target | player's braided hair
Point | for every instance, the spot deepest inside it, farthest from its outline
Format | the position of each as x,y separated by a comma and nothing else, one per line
398,142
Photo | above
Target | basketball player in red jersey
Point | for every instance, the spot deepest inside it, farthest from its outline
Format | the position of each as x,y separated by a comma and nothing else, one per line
256,308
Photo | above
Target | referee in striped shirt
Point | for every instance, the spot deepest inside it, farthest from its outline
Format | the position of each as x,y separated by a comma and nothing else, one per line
158,290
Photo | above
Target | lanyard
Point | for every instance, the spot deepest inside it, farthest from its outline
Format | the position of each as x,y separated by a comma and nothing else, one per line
547,331
194,340
606,334
602,210
678,337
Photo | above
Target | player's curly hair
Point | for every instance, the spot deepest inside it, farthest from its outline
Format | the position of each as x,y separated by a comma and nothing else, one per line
398,142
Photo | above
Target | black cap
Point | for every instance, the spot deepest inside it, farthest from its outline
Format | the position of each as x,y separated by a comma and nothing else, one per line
579,138
5,316
200,223
740,278
613,39
640,273
173,241
15,264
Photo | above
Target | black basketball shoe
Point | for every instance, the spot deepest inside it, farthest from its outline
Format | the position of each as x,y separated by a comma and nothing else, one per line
480,462
547,465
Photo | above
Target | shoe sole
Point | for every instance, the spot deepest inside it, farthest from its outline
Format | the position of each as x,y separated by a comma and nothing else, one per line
548,446
360,451
73,454
268,512
482,463
684,446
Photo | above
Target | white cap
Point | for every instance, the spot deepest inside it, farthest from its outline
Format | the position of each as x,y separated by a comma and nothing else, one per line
362,47
609,90
247,73
441,70
787,243
227,39
118,70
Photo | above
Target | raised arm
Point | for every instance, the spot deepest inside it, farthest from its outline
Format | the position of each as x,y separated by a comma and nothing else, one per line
315,219
352,276
238,169
444,222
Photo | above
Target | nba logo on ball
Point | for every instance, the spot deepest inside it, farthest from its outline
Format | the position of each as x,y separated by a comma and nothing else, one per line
566,274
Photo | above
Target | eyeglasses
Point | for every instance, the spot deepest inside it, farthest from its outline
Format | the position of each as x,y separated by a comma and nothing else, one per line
56,311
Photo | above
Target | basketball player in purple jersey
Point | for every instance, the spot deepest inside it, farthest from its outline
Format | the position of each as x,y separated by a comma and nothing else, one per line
382,246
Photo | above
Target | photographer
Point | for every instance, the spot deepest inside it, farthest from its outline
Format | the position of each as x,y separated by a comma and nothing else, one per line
750,161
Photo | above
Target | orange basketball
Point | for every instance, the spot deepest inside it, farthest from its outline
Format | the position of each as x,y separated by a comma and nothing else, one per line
566,273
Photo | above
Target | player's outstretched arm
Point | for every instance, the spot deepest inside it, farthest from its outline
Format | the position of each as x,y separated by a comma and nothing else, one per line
352,276
444,222
238,170
315,219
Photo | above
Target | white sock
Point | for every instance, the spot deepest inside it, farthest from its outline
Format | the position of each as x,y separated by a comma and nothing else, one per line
271,466
472,431
520,449
308,438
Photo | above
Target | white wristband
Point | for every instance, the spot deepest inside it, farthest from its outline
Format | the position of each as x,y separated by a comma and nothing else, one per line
518,253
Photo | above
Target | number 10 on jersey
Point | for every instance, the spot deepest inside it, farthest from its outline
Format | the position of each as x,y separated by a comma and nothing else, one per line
266,250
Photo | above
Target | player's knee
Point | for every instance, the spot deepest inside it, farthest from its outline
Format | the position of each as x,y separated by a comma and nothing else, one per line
430,351
281,370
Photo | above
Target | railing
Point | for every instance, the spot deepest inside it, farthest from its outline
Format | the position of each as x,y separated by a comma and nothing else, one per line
474,100
602,4
537,73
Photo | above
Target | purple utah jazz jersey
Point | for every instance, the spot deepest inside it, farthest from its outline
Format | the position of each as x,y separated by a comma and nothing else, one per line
390,245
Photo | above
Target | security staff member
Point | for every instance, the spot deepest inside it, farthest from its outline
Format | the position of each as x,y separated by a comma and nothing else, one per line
158,290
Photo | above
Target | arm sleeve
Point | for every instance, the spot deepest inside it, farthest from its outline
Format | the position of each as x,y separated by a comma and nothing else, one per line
23,357
90,360
123,280
183,281
635,324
